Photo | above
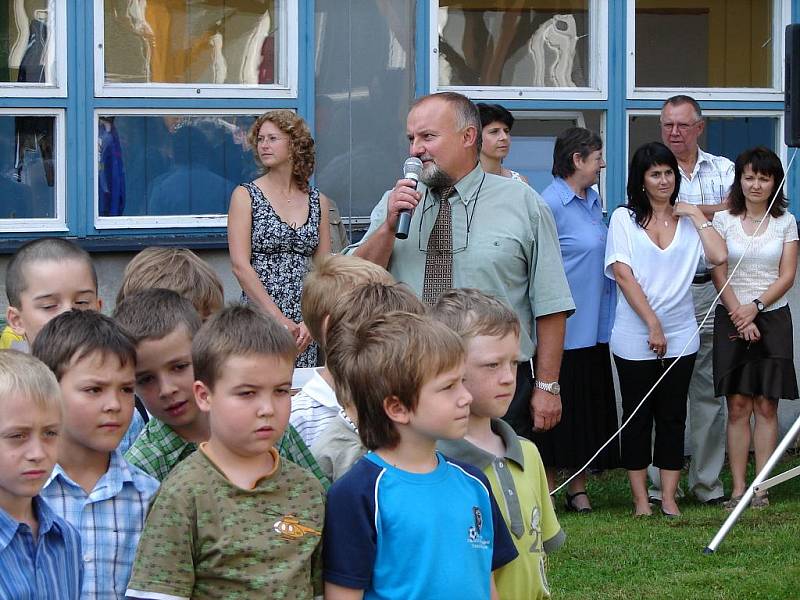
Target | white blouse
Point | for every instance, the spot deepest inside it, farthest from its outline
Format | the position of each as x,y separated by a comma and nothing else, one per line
759,269
665,276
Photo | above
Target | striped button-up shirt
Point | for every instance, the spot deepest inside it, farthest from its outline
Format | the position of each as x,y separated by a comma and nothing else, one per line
710,181
110,520
47,567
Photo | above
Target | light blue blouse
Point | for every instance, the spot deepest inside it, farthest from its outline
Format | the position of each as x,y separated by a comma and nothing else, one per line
582,237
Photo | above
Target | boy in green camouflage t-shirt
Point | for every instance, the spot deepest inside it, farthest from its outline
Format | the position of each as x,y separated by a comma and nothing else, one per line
234,520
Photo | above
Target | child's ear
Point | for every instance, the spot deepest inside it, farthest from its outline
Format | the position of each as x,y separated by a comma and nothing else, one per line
326,320
396,410
99,304
202,395
14,320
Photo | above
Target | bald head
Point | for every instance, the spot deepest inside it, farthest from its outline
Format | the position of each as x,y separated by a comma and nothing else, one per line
444,132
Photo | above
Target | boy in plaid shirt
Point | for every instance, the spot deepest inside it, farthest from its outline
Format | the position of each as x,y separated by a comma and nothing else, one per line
163,324
92,486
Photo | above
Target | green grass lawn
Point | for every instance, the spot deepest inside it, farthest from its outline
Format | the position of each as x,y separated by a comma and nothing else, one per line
609,554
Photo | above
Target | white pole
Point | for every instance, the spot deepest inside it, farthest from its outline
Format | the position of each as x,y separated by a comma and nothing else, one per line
745,501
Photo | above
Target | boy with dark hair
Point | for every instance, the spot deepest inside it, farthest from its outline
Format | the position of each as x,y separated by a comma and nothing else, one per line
93,487
44,278
331,278
162,325
339,446
40,553
512,464
234,519
406,522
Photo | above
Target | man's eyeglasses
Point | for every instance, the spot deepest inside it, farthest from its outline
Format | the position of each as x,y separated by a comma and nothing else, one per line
460,236
682,127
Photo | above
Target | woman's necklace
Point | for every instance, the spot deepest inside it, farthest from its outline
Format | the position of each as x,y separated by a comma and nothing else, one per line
755,220
665,220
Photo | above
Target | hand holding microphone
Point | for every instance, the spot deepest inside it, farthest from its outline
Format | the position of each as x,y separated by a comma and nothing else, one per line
412,169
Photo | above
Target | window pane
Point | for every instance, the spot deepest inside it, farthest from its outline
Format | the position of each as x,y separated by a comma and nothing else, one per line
533,140
27,167
531,43
233,42
724,136
171,164
364,87
27,41
704,43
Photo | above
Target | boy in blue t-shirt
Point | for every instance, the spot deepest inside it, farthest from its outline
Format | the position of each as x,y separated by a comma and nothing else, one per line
405,521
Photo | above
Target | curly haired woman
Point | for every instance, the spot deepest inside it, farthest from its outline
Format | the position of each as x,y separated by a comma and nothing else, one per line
278,223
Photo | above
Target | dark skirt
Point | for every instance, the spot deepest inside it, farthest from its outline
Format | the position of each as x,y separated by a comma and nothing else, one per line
588,413
763,368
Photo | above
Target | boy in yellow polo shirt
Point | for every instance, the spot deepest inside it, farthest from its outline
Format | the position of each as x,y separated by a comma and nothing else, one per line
512,464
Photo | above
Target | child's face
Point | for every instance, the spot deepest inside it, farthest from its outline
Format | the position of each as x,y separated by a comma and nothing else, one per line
164,378
28,447
51,288
250,403
442,411
491,375
97,391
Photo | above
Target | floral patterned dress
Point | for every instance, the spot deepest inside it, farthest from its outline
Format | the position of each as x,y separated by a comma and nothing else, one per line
281,255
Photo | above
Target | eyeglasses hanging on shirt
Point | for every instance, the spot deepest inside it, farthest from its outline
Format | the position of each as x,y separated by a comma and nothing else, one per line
716,193
460,237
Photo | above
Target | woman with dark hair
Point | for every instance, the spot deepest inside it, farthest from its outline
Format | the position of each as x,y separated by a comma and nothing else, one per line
588,404
496,124
753,351
278,223
654,247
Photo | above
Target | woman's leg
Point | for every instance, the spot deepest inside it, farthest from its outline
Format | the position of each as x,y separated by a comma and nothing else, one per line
551,473
765,436
669,409
638,480
635,379
740,407
576,486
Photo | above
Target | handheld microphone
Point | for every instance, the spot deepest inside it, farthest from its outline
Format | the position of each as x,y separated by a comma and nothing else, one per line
412,169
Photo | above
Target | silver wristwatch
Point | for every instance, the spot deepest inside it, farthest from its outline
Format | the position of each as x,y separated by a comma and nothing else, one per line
551,387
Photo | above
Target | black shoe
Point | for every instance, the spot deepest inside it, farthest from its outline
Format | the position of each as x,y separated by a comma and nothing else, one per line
654,500
715,501
570,506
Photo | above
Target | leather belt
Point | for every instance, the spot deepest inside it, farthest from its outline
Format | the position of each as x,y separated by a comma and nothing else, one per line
701,278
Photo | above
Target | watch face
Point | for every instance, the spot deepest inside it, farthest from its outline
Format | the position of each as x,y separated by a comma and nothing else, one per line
555,388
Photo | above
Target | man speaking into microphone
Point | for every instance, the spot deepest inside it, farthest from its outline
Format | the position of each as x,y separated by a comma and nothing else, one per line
474,229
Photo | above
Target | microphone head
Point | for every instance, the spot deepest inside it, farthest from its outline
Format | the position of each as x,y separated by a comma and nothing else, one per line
412,168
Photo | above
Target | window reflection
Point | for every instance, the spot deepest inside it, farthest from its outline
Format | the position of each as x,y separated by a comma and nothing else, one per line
27,37
192,41
171,164
531,43
27,168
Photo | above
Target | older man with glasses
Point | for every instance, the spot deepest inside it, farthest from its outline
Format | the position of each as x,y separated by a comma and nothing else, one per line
478,230
705,180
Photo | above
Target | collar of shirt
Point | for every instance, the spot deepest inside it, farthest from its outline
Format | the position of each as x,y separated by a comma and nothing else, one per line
702,157
9,526
472,454
467,186
567,194
318,389
109,485
167,437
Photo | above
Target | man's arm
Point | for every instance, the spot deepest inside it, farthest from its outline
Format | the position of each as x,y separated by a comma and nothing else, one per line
378,245
546,407
708,210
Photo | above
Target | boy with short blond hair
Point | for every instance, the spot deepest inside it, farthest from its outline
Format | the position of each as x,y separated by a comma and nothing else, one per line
93,487
40,553
339,446
176,269
406,522
234,518
44,278
163,325
330,279
512,464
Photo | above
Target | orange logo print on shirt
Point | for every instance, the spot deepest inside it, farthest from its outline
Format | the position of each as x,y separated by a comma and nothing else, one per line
289,528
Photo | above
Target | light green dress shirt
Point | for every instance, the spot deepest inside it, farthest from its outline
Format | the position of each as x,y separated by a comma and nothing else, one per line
505,243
